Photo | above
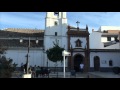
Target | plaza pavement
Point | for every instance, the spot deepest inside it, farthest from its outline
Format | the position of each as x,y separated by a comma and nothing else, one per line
103,75
78,75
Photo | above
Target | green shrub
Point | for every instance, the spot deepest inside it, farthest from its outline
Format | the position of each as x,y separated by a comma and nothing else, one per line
6,67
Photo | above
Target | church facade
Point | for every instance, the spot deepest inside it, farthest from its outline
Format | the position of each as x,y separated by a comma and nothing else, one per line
84,47
74,40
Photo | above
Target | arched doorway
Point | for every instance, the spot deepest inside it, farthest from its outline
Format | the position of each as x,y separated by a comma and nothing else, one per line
77,60
96,63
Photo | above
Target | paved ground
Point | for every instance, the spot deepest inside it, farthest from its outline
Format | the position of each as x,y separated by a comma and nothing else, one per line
103,75
78,75
55,75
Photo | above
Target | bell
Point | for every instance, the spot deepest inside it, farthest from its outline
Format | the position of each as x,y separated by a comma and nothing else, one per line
56,12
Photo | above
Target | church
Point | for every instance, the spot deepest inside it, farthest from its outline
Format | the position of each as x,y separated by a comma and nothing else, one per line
90,49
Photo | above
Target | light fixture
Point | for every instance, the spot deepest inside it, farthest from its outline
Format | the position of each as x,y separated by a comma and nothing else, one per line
37,41
21,40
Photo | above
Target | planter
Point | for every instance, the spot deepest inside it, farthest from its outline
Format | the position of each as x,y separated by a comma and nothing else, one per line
26,76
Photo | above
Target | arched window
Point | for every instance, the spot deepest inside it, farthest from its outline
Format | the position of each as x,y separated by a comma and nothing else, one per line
110,63
55,33
55,23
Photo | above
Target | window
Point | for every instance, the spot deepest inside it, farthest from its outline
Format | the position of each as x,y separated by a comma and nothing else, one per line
110,63
55,33
108,38
56,23
105,31
116,39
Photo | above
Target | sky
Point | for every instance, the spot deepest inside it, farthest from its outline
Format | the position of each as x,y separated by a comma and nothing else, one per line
36,20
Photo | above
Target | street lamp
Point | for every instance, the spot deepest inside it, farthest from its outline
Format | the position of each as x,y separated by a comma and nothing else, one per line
46,62
47,68
21,40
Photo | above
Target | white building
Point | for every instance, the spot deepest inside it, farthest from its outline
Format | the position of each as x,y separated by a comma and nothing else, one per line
95,52
105,48
17,51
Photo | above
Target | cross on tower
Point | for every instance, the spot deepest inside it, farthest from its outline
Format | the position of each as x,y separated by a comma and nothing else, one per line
77,23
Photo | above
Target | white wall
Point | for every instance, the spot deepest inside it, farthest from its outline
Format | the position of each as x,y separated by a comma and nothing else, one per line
95,40
104,39
49,44
105,56
18,56
102,28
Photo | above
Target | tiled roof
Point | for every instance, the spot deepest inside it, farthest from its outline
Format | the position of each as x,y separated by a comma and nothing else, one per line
73,27
114,31
21,33
20,30
109,34
11,37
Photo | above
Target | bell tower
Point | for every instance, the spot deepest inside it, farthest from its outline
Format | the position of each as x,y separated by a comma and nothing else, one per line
55,30
55,19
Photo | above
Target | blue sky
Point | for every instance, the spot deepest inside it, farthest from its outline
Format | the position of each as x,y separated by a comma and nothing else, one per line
37,19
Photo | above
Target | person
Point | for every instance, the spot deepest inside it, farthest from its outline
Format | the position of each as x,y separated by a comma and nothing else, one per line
22,67
34,72
25,68
30,71
81,67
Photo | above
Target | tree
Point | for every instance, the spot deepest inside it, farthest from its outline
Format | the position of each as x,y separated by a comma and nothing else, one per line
6,65
55,54
2,49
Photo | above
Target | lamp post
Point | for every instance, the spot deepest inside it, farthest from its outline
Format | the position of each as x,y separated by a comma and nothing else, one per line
47,68
47,65
65,53
45,53
27,61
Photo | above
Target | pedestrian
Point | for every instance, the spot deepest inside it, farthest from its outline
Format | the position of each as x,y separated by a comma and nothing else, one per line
22,67
25,68
30,71
34,72
81,67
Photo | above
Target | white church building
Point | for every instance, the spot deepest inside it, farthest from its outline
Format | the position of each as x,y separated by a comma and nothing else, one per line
99,51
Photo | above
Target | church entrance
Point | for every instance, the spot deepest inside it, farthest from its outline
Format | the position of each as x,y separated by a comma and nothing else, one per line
96,63
77,60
